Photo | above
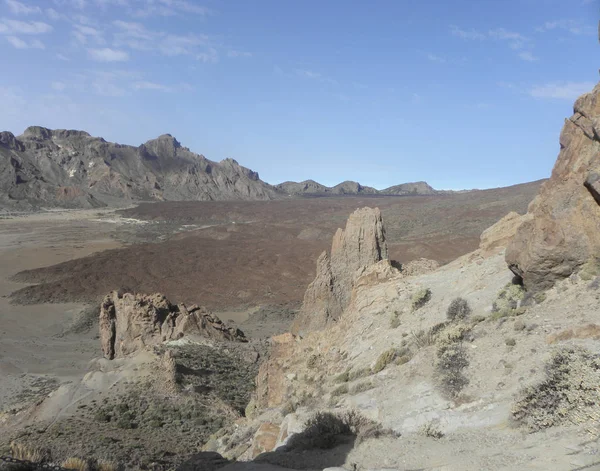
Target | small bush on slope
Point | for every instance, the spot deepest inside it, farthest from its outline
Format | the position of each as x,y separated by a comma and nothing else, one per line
452,359
458,309
325,430
420,298
507,302
569,392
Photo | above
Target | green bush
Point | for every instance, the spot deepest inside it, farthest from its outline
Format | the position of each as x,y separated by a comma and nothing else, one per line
458,309
420,298
451,361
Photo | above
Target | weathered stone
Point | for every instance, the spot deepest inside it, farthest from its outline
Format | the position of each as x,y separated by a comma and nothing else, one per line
265,439
129,322
563,231
359,246
500,234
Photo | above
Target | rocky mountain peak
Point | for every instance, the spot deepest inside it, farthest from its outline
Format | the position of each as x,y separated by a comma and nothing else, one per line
37,132
353,250
562,234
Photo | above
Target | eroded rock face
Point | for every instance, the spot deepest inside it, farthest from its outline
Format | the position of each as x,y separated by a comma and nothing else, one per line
129,322
563,231
500,235
354,249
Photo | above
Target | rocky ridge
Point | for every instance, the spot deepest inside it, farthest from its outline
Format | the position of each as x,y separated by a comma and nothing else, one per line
68,168
562,230
130,322
359,246
311,187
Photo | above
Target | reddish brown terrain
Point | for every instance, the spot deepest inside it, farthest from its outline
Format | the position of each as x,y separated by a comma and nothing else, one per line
235,255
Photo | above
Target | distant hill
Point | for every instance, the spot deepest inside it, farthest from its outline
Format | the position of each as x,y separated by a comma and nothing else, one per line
311,187
67,168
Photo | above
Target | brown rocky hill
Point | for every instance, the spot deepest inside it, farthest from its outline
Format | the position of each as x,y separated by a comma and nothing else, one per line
312,188
67,168
562,233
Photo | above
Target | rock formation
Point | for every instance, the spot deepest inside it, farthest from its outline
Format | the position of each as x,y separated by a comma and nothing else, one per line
311,187
500,235
73,169
563,231
415,188
359,246
129,322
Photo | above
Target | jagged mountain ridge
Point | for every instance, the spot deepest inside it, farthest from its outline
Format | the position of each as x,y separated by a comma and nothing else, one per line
71,168
311,187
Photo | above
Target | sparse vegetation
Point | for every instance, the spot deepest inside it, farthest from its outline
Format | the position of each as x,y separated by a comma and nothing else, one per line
75,463
23,452
420,298
359,373
362,387
590,269
568,393
510,342
343,377
431,430
312,361
458,309
507,302
340,390
395,320
325,430
451,361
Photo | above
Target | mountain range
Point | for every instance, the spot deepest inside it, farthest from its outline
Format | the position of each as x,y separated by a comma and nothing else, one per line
69,168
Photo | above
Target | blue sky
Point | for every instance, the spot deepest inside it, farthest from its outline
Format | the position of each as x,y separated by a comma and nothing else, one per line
462,93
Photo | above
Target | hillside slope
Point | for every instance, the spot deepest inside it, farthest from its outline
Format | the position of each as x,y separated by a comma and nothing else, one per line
66,168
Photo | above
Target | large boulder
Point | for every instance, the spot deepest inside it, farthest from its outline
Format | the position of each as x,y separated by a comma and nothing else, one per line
130,322
563,231
354,249
499,236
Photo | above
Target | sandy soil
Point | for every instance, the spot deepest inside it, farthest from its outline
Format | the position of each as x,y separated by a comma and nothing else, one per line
33,355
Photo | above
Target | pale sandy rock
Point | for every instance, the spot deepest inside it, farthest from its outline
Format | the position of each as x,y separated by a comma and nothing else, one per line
129,322
563,232
499,235
419,267
265,439
359,246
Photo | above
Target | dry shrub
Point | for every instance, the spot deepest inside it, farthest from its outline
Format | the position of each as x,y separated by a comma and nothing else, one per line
26,453
458,309
390,356
420,298
431,430
452,359
569,392
325,430
75,463
507,302
362,387
105,465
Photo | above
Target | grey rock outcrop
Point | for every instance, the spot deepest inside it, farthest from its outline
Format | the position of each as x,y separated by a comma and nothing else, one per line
414,188
311,187
563,227
69,168
130,322
354,249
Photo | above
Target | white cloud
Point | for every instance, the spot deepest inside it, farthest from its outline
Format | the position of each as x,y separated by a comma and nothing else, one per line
309,74
83,34
21,44
210,55
58,86
527,56
108,55
173,45
53,14
438,59
233,53
62,57
152,86
23,27
572,26
515,40
464,34
19,8
561,91
170,8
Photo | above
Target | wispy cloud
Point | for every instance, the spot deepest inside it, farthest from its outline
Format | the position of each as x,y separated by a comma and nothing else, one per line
13,27
571,26
467,34
22,44
108,55
527,56
19,8
210,55
515,40
170,8
234,53
561,91
309,74
152,86
58,86
84,34
435,58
